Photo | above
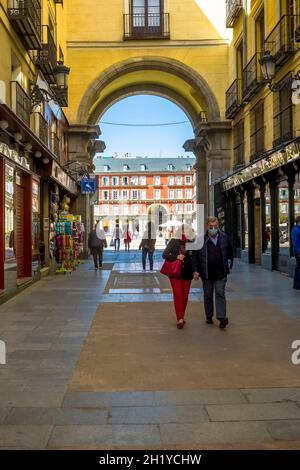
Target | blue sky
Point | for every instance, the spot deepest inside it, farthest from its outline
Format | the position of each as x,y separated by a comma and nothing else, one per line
163,141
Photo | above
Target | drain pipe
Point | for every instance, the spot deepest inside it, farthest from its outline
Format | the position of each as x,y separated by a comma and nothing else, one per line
245,32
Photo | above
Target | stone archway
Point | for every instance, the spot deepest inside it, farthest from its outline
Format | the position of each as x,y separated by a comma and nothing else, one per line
171,66
133,76
146,89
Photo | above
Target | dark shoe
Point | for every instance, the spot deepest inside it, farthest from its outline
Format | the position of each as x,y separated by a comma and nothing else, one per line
223,323
209,321
96,267
180,324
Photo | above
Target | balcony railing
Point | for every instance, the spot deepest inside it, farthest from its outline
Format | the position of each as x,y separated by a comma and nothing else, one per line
233,99
41,128
281,41
25,16
20,102
252,77
151,26
46,58
55,145
233,8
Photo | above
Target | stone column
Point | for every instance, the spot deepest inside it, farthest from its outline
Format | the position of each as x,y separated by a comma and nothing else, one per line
212,148
82,149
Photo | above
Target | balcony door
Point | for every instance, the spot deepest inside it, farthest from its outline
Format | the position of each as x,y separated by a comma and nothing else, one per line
146,17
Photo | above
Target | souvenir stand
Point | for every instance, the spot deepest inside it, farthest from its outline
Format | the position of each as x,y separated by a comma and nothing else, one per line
66,234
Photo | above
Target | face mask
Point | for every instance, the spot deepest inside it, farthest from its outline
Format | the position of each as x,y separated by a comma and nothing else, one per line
213,231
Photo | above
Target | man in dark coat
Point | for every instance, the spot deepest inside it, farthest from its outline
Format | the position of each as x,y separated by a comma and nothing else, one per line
213,263
96,243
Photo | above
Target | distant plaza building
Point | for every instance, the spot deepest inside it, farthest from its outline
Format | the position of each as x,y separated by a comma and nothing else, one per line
131,190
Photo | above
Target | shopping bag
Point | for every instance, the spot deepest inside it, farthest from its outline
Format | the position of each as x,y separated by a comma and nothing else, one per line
112,242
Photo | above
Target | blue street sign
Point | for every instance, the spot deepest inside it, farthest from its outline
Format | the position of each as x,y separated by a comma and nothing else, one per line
88,185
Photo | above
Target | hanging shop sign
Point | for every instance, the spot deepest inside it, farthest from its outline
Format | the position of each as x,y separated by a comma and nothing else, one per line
14,156
63,178
88,185
273,161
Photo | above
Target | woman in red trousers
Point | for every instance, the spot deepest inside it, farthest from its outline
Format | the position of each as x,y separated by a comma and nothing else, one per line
176,249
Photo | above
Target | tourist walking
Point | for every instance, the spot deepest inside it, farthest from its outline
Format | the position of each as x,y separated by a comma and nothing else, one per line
176,250
127,238
96,243
117,235
147,245
213,263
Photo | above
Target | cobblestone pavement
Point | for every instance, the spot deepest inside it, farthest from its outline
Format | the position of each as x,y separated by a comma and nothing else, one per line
49,400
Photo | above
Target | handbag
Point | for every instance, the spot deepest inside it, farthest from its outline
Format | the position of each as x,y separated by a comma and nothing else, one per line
171,268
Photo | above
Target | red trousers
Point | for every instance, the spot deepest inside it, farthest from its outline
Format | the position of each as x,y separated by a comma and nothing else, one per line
181,289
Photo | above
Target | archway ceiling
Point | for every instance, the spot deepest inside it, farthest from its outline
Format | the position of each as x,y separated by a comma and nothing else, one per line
145,78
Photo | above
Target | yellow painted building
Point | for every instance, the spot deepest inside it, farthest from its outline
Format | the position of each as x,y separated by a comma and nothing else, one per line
171,48
261,197
33,134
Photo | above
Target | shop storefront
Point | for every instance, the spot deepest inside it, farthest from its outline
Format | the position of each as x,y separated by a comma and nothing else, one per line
20,214
64,231
260,203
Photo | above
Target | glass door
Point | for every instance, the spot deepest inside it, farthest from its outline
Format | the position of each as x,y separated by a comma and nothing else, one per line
146,17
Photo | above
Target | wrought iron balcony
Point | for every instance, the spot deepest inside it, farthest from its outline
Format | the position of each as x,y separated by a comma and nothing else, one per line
233,8
281,42
46,58
20,102
41,128
55,145
150,26
252,77
25,16
233,99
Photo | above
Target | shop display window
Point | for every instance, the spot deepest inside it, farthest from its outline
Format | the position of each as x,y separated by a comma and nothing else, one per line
267,245
246,223
283,217
297,196
35,217
9,212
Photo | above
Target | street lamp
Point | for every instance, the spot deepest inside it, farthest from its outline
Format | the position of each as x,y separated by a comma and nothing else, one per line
61,74
58,92
268,68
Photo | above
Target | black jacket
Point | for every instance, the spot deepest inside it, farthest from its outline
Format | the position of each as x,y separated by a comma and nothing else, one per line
200,264
95,242
173,250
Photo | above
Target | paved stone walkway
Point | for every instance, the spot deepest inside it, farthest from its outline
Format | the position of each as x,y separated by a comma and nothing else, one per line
49,328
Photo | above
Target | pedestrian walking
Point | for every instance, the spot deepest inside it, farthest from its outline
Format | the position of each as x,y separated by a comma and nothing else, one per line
96,243
147,245
127,238
167,236
176,250
296,248
117,235
212,263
